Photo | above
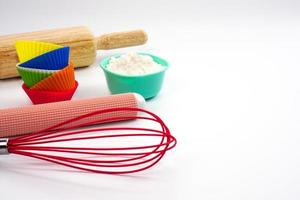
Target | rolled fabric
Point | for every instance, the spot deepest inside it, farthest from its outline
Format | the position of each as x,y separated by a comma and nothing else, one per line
31,119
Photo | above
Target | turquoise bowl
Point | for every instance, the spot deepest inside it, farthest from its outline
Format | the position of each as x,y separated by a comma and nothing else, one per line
147,85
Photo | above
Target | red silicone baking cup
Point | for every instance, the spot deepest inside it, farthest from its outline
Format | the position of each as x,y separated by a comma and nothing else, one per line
46,96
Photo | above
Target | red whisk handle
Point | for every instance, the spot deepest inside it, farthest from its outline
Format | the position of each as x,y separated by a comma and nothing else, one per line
4,146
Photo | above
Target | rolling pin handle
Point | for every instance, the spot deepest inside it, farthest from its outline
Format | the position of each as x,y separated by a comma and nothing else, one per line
121,39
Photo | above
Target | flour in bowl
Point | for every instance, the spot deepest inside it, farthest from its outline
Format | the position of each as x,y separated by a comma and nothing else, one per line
134,64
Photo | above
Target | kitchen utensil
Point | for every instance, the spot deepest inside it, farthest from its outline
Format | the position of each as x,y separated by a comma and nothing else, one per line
80,39
31,119
147,85
53,60
114,149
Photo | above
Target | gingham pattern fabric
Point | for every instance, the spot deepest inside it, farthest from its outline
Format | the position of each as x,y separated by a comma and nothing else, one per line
30,119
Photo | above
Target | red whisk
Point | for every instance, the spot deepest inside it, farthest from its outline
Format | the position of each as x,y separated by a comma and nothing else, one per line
115,149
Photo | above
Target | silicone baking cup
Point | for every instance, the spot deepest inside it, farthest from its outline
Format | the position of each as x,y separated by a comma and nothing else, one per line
47,73
33,76
47,96
61,80
53,60
27,50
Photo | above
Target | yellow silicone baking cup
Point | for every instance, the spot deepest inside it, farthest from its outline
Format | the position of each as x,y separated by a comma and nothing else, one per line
27,50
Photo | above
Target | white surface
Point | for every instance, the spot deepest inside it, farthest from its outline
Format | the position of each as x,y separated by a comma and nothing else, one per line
231,97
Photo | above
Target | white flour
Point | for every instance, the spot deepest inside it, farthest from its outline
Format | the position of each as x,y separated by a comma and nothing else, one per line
133,64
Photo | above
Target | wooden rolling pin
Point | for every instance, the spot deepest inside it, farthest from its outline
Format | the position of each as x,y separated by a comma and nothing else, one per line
82,42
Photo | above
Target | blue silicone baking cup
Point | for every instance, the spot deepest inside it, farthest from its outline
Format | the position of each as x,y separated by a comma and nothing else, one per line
52,60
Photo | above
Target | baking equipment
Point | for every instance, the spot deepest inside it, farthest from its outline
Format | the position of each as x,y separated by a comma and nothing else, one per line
29,49
130,154
47,73
32,76
52,60
147,85
59,86
80,39
49,96
58,81
31,119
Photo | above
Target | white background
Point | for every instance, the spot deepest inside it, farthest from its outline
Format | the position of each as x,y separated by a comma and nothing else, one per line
231,97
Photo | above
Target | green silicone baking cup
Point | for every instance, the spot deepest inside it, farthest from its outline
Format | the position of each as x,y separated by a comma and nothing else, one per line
33,76
147,85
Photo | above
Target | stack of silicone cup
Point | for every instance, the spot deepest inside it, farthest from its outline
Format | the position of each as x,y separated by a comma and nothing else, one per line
47,73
